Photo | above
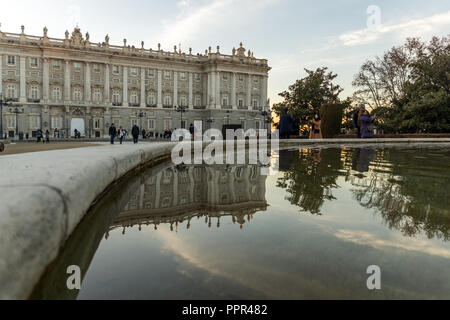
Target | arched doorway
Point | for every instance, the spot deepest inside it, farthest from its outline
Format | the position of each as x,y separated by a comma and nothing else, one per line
77,123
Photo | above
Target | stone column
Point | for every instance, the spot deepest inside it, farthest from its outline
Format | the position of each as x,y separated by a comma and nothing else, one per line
175,89
191,98
233,90
208,91
23,83
45,84
264,92
217,92
159,104
87,82
107,85
143,100
125,87
1,79
249,91
67,87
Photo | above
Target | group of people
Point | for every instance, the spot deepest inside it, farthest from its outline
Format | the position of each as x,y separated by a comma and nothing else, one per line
362,121
43,137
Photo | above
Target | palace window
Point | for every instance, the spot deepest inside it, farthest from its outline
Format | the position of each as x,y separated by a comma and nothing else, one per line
77,96
151,73
167,124
33,62
115,69
151,99
167,74
198,101
225,76
56,93
133,97
34,92
35,122
183,75
167,100
255,80
11,60
77,66
96,68
241,77
255,103
240,103
133,71
97,123
56,64
134,122
258,124
11,121
11,91
183,124
97,95
197,77
243,124
183,101
151,124
56,122
224,101
116,96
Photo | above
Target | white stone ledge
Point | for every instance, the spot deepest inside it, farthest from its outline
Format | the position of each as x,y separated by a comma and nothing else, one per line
44,195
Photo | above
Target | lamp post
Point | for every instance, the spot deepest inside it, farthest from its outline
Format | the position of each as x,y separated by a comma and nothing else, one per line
5,103
17,111
141,115
181,109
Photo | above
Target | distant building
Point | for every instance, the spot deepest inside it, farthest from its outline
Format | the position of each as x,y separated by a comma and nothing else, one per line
72,83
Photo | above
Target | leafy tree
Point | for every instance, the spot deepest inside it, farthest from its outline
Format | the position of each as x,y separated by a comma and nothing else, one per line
304,98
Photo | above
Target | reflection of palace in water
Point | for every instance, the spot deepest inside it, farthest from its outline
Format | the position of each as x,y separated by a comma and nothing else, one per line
177,194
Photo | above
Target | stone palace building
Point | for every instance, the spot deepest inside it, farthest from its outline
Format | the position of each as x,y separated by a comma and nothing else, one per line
73,83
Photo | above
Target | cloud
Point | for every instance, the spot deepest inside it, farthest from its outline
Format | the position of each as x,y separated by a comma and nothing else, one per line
195,21
417,27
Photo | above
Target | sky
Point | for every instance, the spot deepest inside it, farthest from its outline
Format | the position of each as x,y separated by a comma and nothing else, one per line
291,34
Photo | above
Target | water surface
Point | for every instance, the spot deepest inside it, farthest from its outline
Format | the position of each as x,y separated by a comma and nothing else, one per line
308,232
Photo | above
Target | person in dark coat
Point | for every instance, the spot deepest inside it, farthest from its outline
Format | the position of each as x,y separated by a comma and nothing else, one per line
39,135
191,130
286,124
357,118
112,133
366,125
135,133
47,136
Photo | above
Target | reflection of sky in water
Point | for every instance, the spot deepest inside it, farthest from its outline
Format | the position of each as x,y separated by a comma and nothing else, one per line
281,253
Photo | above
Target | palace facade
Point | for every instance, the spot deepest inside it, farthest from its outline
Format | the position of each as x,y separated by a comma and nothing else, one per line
73,83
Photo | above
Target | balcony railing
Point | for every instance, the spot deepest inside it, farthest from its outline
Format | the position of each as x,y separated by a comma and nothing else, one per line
199,107
151,105
242,107
134,104
168,106
117,104
227,107
34,100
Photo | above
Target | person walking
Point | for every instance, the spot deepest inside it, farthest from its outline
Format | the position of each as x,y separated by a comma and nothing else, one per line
112,133
135,133
39,135
357,118
47,136
316,130
286,124
192,130
366,125
121,134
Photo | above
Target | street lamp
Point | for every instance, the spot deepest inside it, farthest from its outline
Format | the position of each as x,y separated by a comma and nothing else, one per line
181,109
17,111
5,103
141,115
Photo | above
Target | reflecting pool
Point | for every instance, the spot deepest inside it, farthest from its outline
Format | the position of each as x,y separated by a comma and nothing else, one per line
308,232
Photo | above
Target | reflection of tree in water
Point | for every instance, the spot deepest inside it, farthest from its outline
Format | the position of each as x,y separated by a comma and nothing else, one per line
311,178
409,190
408,187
